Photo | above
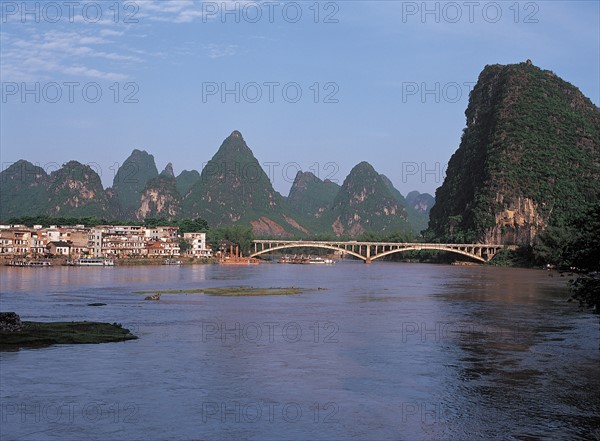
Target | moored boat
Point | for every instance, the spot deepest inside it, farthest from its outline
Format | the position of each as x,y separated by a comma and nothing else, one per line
306,260
321,261
91,261
30,263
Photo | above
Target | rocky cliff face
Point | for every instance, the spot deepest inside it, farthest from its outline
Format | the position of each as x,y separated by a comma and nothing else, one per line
529,157
365,203
160,197
76,190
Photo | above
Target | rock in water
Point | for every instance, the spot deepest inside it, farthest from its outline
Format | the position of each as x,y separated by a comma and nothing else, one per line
10,322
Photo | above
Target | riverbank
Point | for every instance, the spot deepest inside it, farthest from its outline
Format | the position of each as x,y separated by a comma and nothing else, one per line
184,261
58,261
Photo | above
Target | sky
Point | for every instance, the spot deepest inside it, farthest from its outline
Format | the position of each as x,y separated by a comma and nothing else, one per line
316,86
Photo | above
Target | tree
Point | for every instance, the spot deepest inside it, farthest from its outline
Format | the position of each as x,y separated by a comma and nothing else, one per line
192,225
237,234
586,256
555,246
184,245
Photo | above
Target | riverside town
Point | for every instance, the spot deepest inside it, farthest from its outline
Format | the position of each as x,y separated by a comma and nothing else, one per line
103,241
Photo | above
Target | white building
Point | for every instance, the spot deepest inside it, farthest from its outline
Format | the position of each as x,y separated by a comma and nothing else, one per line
198,244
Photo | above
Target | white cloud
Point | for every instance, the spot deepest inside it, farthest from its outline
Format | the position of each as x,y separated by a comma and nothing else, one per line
63,54
220,50
111,33
187,11
94,73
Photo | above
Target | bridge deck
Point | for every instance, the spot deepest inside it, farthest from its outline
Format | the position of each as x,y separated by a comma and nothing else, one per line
369,251
341,242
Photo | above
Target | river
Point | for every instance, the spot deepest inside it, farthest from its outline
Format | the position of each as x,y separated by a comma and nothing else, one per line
389,351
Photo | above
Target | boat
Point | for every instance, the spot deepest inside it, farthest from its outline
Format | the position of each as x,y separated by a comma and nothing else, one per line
30,263
321,261
239,261
306,260
91,261
172,262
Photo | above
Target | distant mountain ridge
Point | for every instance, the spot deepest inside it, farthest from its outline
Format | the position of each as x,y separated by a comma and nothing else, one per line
231,189
366,203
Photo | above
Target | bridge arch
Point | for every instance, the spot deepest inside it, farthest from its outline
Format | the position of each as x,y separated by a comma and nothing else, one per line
308,245
421,248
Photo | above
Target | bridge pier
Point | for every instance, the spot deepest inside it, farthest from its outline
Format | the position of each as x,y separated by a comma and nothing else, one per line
368,260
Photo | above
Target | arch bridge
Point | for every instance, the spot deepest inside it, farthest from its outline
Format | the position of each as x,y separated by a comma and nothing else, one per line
370,251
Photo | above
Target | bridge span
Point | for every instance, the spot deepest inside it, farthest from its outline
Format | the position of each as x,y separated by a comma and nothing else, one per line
370,251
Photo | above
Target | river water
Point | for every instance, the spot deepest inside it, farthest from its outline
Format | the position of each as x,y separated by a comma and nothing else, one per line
388,351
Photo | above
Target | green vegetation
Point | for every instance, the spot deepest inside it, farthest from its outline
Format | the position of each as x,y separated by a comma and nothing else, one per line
233,291
584,254
522,257
236,234
41,334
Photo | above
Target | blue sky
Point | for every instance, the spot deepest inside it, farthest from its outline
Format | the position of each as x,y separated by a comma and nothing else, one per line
381,81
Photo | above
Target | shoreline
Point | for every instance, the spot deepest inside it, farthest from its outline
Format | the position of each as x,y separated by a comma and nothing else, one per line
58,261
